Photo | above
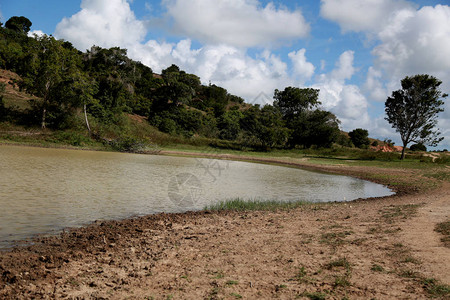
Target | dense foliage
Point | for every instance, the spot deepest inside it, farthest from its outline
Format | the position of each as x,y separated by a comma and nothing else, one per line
359,137
104,85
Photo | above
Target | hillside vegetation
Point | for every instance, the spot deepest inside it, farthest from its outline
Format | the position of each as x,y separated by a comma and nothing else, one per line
51,93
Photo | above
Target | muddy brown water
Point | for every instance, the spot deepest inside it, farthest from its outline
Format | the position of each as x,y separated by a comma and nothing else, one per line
43,191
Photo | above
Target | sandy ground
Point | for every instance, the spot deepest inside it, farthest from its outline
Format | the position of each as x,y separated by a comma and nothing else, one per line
367,249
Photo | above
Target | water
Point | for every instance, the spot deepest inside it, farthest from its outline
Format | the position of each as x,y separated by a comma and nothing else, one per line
45,190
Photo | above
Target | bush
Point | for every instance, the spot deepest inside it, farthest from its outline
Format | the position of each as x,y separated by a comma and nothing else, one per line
72,138
418,147
443,159
128,144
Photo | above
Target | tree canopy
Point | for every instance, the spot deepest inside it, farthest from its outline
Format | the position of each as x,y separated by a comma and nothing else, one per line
105,88
413,110
359,137
19,24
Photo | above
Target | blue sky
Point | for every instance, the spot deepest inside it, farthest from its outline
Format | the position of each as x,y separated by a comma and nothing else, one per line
356,52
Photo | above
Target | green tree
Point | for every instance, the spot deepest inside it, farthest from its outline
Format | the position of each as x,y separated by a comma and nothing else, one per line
316,127
229,125
19,24
293,101
50,73
264,127
359,137
414,109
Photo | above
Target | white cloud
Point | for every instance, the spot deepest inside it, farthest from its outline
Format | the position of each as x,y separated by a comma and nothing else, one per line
345,100
357,15
239,23
409,41
105,23
374,86
34,33
302,68
226,66
416,43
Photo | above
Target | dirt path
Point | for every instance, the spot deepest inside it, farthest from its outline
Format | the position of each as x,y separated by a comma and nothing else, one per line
369,249
419,234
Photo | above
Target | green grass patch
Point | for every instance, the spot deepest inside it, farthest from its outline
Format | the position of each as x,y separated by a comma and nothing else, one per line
250,205
340,262
334,238
231,282
377,268
444,229
314,295
393,212
435,288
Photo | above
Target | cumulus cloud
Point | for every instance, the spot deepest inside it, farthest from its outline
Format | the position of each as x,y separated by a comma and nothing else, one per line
226,66
239,23
34,33
222,60
374,86
357,15
105,23
345,100
416,42
409,41
302,68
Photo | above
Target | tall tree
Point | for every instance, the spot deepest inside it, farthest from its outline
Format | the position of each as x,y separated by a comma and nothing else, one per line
51,73
414,109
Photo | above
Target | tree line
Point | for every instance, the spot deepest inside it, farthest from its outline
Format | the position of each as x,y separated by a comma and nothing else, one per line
103,85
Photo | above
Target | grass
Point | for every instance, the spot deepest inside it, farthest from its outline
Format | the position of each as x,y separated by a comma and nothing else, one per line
377,268
334,238
253,205
444,229
314,295
436,289
393,212
231,282
340,262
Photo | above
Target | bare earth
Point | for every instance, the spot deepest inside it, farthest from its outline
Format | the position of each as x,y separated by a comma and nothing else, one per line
367,249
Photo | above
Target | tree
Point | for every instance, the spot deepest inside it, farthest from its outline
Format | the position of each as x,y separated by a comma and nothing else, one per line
19,24
50,76
359,137
292,101
413,110
316,127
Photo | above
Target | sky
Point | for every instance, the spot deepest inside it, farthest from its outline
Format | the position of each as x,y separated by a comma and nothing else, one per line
356,52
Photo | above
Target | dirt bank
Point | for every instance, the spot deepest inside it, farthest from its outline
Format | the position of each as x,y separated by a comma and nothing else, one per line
379,248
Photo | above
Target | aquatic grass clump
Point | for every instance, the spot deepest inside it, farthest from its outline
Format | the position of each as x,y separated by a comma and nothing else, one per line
239,204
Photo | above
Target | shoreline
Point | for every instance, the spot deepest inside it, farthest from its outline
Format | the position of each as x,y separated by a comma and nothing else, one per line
357,249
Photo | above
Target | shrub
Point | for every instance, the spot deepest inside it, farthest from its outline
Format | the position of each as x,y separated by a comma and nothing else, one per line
418,147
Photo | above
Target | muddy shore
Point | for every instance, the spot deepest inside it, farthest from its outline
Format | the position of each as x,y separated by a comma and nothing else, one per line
377,248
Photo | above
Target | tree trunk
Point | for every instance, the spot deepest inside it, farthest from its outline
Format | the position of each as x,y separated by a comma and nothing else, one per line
403,151
44,112
86,119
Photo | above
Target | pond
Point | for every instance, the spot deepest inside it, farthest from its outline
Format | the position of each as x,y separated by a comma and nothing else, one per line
45,190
